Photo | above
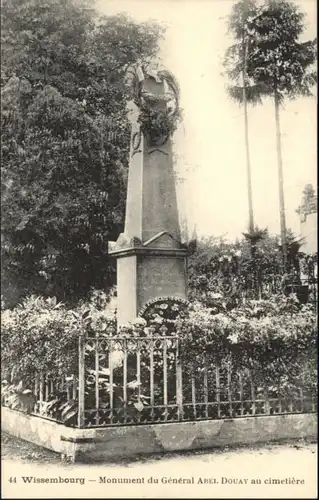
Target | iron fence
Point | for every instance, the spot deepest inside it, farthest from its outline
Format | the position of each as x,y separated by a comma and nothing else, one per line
136,380
143,380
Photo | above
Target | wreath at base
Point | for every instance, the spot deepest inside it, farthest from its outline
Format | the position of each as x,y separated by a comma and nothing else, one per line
164,311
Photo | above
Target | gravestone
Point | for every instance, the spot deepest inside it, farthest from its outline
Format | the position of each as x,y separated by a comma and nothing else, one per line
151,260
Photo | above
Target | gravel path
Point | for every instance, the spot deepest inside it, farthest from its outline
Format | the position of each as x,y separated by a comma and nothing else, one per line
286,470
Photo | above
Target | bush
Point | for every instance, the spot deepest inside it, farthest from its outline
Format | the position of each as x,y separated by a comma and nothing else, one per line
276,339
273,342
42,335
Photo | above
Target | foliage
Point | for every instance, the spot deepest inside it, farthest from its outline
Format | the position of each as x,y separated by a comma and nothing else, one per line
159,114
269,60
16,397
309,264
158,124
275,340
232,270
255,235
276,61
240,26
271,341
162,313
42,336
39,334
65,143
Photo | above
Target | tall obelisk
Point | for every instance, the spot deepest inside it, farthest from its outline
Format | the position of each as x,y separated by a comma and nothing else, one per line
151,260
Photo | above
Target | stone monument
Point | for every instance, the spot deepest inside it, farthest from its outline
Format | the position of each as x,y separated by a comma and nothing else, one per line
307,212
151,260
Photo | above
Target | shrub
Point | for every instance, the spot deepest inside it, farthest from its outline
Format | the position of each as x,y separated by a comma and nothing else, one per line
271,341
42,335
274,339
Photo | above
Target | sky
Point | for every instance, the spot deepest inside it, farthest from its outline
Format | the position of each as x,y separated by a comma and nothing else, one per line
209,143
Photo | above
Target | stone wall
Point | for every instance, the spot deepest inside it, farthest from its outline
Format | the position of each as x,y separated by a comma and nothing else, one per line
115,442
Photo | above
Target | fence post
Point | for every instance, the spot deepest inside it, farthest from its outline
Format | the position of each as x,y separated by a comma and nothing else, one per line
206,386
97,368
218,390
229,391
266,398
46,386
110,346
125,352
179,381
241,393
41,391
193,382
81,393
165,399
36,392
253,394
152,400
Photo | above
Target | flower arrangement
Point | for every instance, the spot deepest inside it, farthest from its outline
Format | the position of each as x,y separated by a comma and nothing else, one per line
164,311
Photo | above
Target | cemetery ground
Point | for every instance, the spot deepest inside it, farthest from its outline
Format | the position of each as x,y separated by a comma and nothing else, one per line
287,459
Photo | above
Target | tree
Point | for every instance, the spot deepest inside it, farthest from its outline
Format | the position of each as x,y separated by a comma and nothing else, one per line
280,66
272,62
65,142
241,90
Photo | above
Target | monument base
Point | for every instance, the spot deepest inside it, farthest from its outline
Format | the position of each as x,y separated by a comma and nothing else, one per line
146,274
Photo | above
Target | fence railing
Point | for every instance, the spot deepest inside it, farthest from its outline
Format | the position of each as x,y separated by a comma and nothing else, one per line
135,380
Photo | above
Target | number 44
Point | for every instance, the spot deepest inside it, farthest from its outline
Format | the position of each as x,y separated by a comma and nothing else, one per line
12,480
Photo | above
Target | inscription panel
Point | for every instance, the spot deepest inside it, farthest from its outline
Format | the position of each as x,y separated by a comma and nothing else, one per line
159,276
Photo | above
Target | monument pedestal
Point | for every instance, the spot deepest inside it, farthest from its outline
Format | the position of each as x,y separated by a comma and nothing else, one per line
151,260
144,274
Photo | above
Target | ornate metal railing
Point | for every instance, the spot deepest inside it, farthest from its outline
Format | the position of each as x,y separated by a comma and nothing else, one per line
142,380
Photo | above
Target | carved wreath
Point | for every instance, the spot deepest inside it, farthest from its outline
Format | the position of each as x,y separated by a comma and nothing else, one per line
157,123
